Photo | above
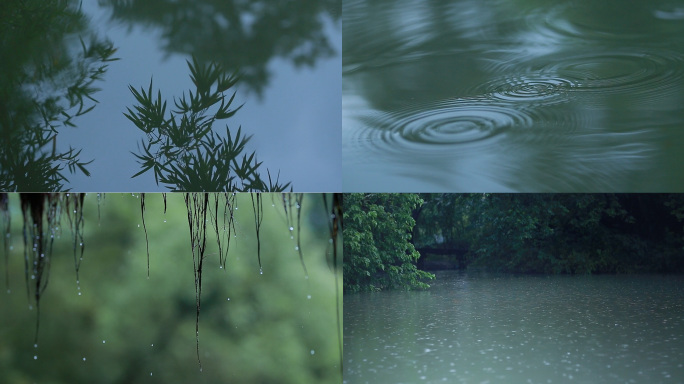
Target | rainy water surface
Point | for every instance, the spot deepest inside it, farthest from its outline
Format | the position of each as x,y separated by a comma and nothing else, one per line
518,329
571,95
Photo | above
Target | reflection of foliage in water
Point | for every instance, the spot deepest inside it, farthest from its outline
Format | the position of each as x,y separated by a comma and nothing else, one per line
188,155
42,217
44,83
240,34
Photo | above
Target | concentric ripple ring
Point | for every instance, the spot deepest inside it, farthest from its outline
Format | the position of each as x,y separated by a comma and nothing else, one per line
448,122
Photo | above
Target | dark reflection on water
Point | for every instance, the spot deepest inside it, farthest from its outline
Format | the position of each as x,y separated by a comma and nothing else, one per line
513,95
473,328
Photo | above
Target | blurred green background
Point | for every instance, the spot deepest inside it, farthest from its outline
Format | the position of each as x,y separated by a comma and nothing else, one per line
278,326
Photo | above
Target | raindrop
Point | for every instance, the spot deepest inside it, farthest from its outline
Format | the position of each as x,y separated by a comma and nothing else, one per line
81,244
138,225
220,266
291,228
292,237
296,248
79,293
152,345
306,277
165,220
150,373
104,341
261,271
308,297
228,299
312,351
35,357
30,307
9,290
84,359
11,247
35,345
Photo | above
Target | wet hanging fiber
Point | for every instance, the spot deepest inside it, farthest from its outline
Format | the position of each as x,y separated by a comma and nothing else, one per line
258,217
142,214
74,203
196,205
6,223
335,226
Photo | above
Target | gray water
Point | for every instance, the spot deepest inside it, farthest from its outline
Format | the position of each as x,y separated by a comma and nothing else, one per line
501,95
478,328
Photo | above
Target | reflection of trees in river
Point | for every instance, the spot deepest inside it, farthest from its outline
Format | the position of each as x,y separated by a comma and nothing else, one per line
240,35
50,62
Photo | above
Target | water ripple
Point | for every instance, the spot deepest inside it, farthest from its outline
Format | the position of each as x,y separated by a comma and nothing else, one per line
642,73
447,122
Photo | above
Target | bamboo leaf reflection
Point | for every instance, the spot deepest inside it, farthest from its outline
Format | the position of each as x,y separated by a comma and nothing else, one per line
45,83
183,151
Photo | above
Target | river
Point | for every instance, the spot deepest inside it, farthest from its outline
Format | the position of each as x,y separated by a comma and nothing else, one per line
480,328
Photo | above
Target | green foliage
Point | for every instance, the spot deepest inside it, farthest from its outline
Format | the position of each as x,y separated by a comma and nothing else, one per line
182,149
378,253
44,86
134,329
559,233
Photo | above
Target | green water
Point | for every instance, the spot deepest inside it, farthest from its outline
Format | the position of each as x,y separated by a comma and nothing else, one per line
477,328
568,95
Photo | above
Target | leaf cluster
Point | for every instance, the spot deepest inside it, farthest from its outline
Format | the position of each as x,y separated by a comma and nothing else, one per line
182,149
42,89
377,249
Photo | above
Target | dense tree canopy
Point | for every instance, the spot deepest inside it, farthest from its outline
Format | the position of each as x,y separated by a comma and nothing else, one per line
521,233
378,253
557,233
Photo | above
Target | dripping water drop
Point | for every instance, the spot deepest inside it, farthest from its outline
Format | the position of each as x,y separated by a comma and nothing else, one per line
296,248
291,229
228,299
35,345
79,293
35,357
312,351
150,373
138,225
104,341
84,359
261,271
152,345
308,297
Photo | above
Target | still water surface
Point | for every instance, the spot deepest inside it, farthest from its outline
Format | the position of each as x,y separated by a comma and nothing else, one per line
567,95
473,328
288,55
